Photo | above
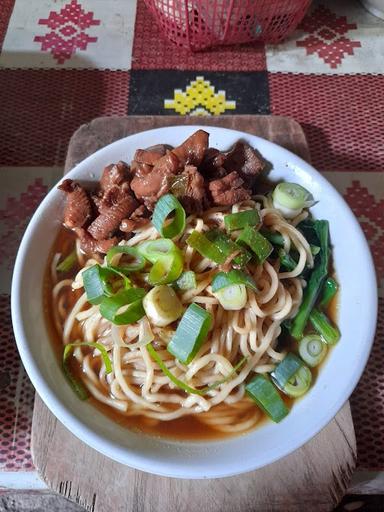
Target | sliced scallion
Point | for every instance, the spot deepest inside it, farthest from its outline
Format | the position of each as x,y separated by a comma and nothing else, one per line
285,370
330,288
138,262
323,326
273,236
98,282
130,300
232,297
187,281
286,260
183,385
167,260
76,384
257,242
165,206
312,349
205,247
239,220
292,196
261,390
228,247
224,279
162,305
68,262
190,333
299,384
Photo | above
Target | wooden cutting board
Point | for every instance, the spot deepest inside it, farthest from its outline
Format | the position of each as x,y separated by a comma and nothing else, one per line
313,478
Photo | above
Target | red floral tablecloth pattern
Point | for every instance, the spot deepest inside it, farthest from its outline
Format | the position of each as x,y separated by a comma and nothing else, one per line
75,60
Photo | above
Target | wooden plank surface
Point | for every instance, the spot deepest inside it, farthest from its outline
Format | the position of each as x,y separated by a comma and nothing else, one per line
313,478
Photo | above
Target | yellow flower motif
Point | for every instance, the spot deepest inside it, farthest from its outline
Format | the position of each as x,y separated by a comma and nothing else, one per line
199,99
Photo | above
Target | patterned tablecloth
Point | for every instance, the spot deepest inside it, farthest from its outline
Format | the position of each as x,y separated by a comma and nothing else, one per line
65,62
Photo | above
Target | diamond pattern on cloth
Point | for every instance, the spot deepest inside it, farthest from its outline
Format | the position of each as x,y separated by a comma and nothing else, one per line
334,38
327,36
73,34
67,31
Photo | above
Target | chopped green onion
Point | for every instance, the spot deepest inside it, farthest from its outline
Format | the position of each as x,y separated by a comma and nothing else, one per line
227,246
187,281
323,326
190,333
137,264
292,196
162,305
315,282
130,300
152,250
166,269
274,237
205,247
299,383
232,297
97,285
104,354
315,249
329,291
285,370
165,206
167,260
312,350
239,220
68,263
182,385
77,385
224,279
266,396
242,259
286,260
257,242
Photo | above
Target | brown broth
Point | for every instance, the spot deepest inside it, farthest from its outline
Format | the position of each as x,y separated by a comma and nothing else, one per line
185,428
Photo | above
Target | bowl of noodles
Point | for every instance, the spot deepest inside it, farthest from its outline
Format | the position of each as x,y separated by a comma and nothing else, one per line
186,301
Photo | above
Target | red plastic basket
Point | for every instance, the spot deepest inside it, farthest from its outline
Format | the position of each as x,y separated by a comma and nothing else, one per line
198,24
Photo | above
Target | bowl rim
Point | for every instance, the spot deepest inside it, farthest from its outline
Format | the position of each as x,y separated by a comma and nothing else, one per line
115,451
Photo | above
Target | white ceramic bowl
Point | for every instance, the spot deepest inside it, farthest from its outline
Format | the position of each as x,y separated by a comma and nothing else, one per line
357,321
